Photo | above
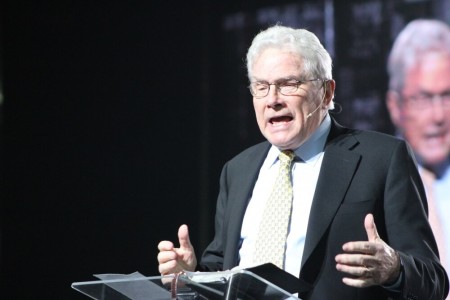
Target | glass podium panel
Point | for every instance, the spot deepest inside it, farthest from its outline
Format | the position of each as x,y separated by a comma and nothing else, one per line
233,285
126,288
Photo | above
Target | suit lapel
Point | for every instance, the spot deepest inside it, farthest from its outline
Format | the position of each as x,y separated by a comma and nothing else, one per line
247,177
338,166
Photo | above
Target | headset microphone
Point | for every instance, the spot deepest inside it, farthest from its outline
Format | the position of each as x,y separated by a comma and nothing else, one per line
324,95
311,113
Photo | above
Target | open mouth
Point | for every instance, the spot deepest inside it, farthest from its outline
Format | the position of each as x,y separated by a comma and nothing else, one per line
435,135
280,120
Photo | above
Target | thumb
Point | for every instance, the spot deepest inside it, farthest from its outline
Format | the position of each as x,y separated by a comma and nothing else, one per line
371,228
183,238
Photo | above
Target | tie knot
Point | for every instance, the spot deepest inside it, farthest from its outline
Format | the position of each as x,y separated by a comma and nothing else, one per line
286,156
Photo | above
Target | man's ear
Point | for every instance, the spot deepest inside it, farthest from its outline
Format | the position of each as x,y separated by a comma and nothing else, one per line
393,103
330,85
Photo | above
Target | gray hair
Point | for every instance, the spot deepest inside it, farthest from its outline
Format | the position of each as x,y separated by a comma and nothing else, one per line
317,61
417,38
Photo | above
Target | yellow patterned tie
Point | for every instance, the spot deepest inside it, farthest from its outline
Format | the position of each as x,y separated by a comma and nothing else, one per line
270,245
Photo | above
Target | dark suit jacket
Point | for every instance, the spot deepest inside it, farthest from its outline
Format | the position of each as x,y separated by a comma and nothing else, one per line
362,172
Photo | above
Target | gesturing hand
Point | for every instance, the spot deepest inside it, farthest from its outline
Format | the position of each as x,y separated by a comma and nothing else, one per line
174,260
371,262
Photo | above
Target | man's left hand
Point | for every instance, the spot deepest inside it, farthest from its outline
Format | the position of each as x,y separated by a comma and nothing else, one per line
371,262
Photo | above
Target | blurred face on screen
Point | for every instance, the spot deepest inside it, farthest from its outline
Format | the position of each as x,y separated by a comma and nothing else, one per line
422,110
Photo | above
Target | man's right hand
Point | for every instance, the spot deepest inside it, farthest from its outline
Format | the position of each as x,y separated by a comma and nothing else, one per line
174,260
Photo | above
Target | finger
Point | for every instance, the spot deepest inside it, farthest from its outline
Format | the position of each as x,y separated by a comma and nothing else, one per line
358,282
169,267
359,247
183,238
165,246
371,228
166,256
358,271
360,260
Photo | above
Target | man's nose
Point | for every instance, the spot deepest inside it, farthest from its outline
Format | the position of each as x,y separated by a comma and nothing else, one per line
273,97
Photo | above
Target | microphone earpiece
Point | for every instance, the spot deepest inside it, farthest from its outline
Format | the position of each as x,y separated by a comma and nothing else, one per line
324,95
311,113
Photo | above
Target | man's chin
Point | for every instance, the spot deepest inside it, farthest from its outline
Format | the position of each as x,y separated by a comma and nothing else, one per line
434,159
284,144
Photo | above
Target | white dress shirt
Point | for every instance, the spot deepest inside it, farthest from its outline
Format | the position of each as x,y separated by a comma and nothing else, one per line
305,173
442,194
439,195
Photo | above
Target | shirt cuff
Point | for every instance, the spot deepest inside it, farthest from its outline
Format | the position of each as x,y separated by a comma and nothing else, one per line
397,285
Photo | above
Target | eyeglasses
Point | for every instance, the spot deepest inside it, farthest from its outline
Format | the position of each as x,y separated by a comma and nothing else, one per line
260,89
425,100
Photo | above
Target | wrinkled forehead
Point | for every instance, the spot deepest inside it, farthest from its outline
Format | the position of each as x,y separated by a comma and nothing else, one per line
430,72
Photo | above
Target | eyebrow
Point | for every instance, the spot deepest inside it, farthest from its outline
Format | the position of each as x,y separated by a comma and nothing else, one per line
427,92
